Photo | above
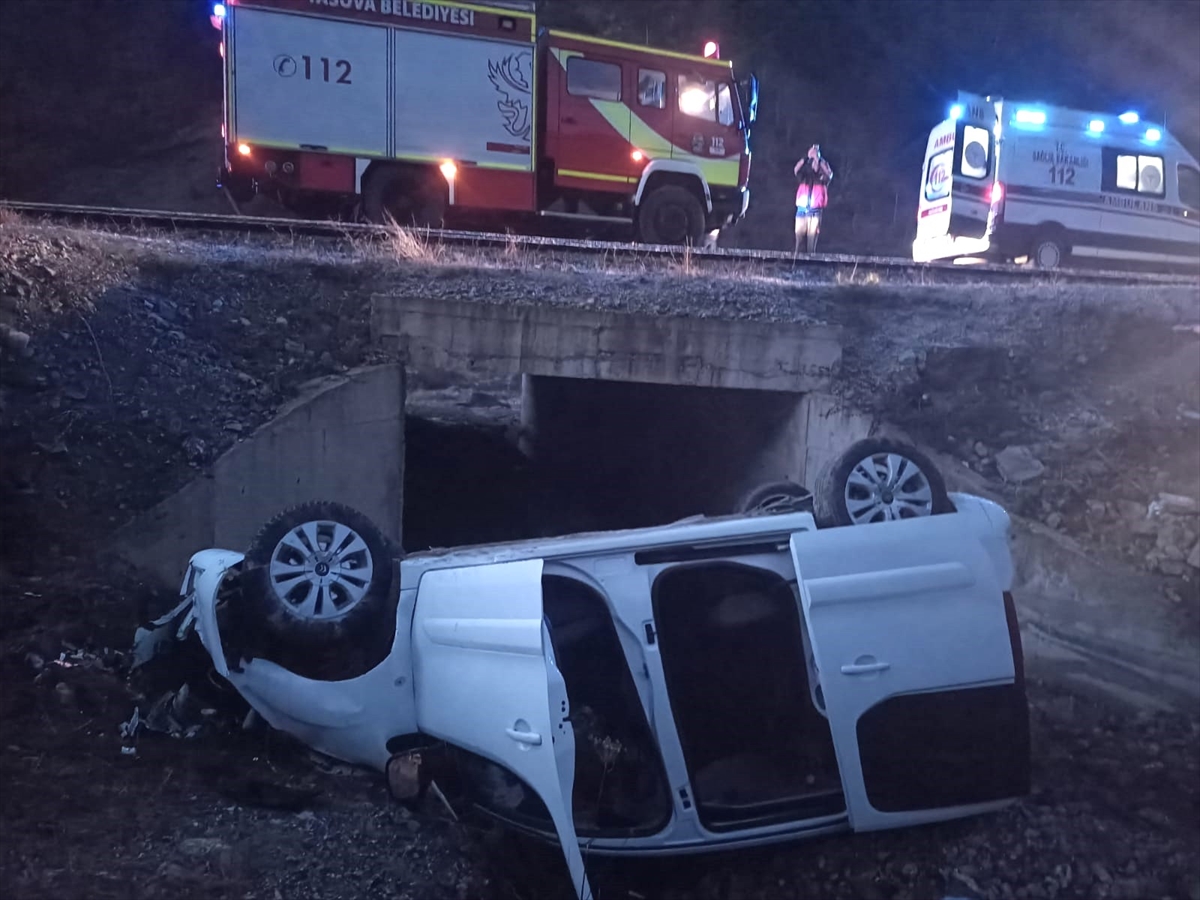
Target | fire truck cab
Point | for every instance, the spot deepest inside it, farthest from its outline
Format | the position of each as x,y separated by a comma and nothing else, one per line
421,112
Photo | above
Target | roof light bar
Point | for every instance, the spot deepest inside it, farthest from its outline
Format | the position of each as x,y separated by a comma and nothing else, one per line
1129,118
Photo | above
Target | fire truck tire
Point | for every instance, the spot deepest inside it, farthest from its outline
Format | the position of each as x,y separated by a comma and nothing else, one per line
409,198
670,214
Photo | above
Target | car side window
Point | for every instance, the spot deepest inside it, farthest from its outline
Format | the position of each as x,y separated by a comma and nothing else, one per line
652,88
592,78
1189,186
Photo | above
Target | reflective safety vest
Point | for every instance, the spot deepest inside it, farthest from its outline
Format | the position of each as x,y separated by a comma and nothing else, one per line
812,193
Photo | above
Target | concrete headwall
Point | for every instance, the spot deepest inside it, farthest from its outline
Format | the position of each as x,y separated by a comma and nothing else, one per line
342,439
491,340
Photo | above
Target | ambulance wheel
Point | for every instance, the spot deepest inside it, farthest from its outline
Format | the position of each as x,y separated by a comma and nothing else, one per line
1049,252
879,480
670,215
410,198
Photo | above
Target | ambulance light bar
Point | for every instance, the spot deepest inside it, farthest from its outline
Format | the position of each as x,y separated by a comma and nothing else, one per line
1030,117
1096,126
956,111
1129,118
1153,135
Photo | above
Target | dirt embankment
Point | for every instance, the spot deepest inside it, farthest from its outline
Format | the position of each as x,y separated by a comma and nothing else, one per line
148,356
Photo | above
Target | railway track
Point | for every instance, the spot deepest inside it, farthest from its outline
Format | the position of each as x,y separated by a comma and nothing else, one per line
893,268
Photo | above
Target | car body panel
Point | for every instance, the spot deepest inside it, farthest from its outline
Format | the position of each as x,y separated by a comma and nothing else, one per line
890,609
486,681
351,720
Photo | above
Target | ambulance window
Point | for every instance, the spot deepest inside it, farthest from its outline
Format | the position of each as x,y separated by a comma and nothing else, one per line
1150,175
652,88
1143,174
724,105
1189,187
698,98
975,152
1127,173
589,78
937,179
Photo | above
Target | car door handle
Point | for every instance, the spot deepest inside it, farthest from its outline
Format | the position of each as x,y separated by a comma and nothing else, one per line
864,668
531,738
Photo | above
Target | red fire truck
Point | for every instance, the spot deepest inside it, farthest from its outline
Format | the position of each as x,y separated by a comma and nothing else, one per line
419,111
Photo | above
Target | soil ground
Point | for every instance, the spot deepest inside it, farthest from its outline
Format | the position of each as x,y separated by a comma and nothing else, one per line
150,355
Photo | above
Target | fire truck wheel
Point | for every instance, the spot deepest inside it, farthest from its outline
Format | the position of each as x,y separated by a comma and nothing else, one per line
409,198
671,215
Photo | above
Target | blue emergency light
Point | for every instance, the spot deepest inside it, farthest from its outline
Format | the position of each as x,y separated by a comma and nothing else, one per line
1129,118
956,111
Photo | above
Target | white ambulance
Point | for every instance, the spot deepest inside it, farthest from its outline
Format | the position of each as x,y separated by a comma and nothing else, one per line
1031,183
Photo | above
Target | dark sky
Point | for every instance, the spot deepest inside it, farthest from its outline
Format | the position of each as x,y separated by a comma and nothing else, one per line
901,62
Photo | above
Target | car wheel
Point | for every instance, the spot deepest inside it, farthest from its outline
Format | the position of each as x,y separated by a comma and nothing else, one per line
777,497
879,480
670,215
318,574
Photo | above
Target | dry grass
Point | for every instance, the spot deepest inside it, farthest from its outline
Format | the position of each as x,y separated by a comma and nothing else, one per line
9,217
412,244
853,278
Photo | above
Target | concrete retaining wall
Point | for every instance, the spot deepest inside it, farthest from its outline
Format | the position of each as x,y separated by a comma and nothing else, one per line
342,439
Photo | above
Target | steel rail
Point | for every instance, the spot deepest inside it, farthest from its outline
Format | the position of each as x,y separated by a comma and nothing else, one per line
938,271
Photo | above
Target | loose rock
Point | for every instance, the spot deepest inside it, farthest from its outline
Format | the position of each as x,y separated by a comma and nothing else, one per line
1017,464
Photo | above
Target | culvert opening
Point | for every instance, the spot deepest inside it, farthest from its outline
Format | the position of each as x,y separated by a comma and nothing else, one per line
605,455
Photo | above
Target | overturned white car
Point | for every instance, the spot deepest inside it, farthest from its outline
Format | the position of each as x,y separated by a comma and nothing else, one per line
713,683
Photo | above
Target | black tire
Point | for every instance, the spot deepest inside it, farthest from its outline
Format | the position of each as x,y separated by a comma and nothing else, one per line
670,214
777,497
353,603
412,198
1049,252
835,492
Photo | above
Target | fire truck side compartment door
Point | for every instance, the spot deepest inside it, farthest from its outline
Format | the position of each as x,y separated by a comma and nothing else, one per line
308,81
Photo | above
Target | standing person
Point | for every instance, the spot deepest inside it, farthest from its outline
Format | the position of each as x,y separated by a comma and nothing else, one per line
814,174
